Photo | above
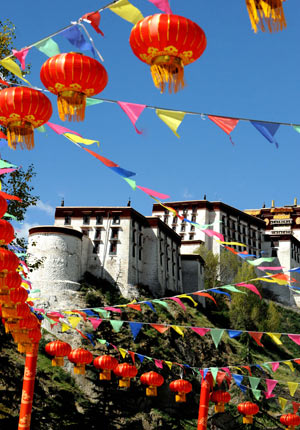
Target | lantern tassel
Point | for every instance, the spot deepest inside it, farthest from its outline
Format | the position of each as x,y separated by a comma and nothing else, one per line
168,71
71,105
264,13
20,134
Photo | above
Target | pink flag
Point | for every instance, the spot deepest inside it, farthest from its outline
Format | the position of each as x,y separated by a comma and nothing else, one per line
227,370
295,338
95,322
200,331
9,170
269,396
250,287
110,308
214,233
21,55
271,383
270,268
177,300
94,20
162,5
133,111
158,363
153,193
275,366
226,124
59,129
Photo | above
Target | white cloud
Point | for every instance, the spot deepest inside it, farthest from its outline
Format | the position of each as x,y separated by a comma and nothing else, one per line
24,229
45,207
187,194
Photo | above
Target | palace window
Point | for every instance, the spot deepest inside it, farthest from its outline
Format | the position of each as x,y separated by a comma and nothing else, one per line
114,233
86,219
97,234
96,248
116,219
99,219
68,220
113,248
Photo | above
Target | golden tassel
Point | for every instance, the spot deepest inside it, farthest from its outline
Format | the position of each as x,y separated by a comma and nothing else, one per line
71,105
21,133
266,12
168,71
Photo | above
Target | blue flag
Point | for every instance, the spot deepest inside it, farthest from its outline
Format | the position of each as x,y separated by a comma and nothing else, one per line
76,38
233,333
267,129
135,328
122,172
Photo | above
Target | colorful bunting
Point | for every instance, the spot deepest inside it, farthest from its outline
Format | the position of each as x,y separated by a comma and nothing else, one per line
200,331
198,293
160,328
21,55
292,387
268,130
282,402
126,11
123,352
90,101
59,129
13,67
131,182
258,261
76,38
213,233
162,5
48,47
153,193
256,393
275,337
158,363
254,382
216,334
116,325
250,287
275,366
75,138
295,338
171,118
179,302
94,19
95,322
133,111
290,365
233,333
178,330
135,328
226,124
256,336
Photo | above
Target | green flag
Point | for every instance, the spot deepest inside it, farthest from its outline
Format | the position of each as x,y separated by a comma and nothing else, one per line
254,382
216,334
48,47
116,325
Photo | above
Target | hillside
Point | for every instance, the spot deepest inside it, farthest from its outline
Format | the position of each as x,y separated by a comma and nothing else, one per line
85,402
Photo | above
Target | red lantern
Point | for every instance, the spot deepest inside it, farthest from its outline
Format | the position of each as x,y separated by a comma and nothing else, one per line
125,371
29,322
9,262
220,398
73,77
80,357
23,109
3,206
182,387
290,420
7,232
59,350
35,335
21,310
9,280
248,409
107,363
152,379
167,43
15,295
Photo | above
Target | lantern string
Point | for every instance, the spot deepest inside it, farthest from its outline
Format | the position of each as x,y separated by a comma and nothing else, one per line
91,40
63,29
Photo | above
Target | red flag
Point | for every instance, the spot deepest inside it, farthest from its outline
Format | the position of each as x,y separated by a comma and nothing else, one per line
136,307
94,19
226,124
2,135
104,160
159,327
256,336
206,295
9,196
4,83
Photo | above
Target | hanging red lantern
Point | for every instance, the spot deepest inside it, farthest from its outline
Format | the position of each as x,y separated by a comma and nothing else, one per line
35,335
248,409
7,232
29,322
107,363
182,387
220,397
73,77
290,420
167,43
20,310
266,13
23,109
9,280
59,350
154,380
8,260
80,357
15,295
125,371
3,206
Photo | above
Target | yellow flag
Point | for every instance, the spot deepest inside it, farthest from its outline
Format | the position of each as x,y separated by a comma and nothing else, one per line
231,243
185,296
172,118
282,403
169,364
65,327
292,387
123,352
13,67
288,363
178,330
275,337
78,139
264,279
126,11
74,321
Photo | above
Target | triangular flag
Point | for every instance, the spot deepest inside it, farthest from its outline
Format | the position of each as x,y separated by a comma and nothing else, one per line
199,330
105,161
126,11
162,5
161,302
158,363
111,308
135,328
64,327
123,352
21,55
268,130
275,337
256,336
178,301
250,287
171,118
292,387
226,124
237,378
116,325
274,366
133,111
254,382
59,129
282,403
91,101
132,355
271,383
48,47
94,19
198,293
141,357
169,364
122,172
13,67
41,129
178,330
5,164
216,334
131,182
76,38
214,372
233,333
78,139
102,312
102,341
134,306
295,407
150,305
160,328
95,322
295,338
3,136
256,393
74,321
185,296
153,193
232,289
288,363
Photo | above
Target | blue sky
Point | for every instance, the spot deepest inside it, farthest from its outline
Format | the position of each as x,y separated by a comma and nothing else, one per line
240,74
